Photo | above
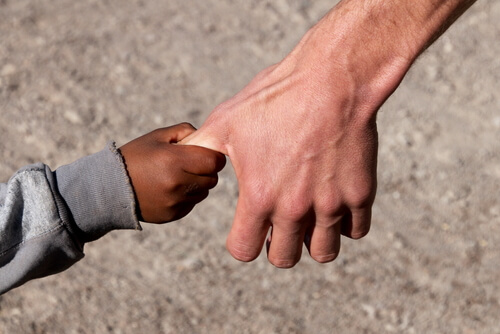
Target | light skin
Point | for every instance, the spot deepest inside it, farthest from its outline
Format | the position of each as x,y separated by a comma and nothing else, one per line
302,135
169,179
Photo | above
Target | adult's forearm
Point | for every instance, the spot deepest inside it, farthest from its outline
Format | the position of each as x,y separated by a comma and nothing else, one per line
374,41
431,18
413,24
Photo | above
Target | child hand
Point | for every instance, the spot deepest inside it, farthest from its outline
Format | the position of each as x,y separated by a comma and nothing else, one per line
169,179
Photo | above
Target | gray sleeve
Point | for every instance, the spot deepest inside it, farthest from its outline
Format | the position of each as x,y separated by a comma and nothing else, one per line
98,193
46,217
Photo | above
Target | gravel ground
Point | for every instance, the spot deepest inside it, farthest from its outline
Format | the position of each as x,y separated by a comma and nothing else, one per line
74,74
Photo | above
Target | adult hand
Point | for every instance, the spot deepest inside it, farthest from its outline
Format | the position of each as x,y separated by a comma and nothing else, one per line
305,159
302,135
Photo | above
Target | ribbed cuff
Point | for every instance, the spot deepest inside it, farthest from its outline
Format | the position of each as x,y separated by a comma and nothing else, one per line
99,194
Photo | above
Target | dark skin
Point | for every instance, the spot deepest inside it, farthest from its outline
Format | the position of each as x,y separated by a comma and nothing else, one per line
170,179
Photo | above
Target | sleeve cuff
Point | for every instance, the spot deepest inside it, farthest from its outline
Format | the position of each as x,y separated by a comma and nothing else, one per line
98,192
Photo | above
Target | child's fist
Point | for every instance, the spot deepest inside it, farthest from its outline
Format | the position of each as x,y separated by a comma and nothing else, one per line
169,179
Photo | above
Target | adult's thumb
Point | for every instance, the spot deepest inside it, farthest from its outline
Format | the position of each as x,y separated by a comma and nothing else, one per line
208,137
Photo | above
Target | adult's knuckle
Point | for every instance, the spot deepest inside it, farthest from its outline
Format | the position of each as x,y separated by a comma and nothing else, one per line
328,205
360,196
294,209
260,197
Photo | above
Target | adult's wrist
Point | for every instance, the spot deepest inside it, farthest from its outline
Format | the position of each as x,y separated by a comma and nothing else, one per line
371,45
340,56
405,28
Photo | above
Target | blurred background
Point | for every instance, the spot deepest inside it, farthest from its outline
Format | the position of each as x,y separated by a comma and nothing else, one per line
75,74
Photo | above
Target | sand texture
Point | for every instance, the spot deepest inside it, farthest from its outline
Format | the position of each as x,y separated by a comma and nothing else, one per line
75,74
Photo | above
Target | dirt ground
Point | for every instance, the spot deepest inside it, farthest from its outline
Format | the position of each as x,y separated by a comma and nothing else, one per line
74,74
